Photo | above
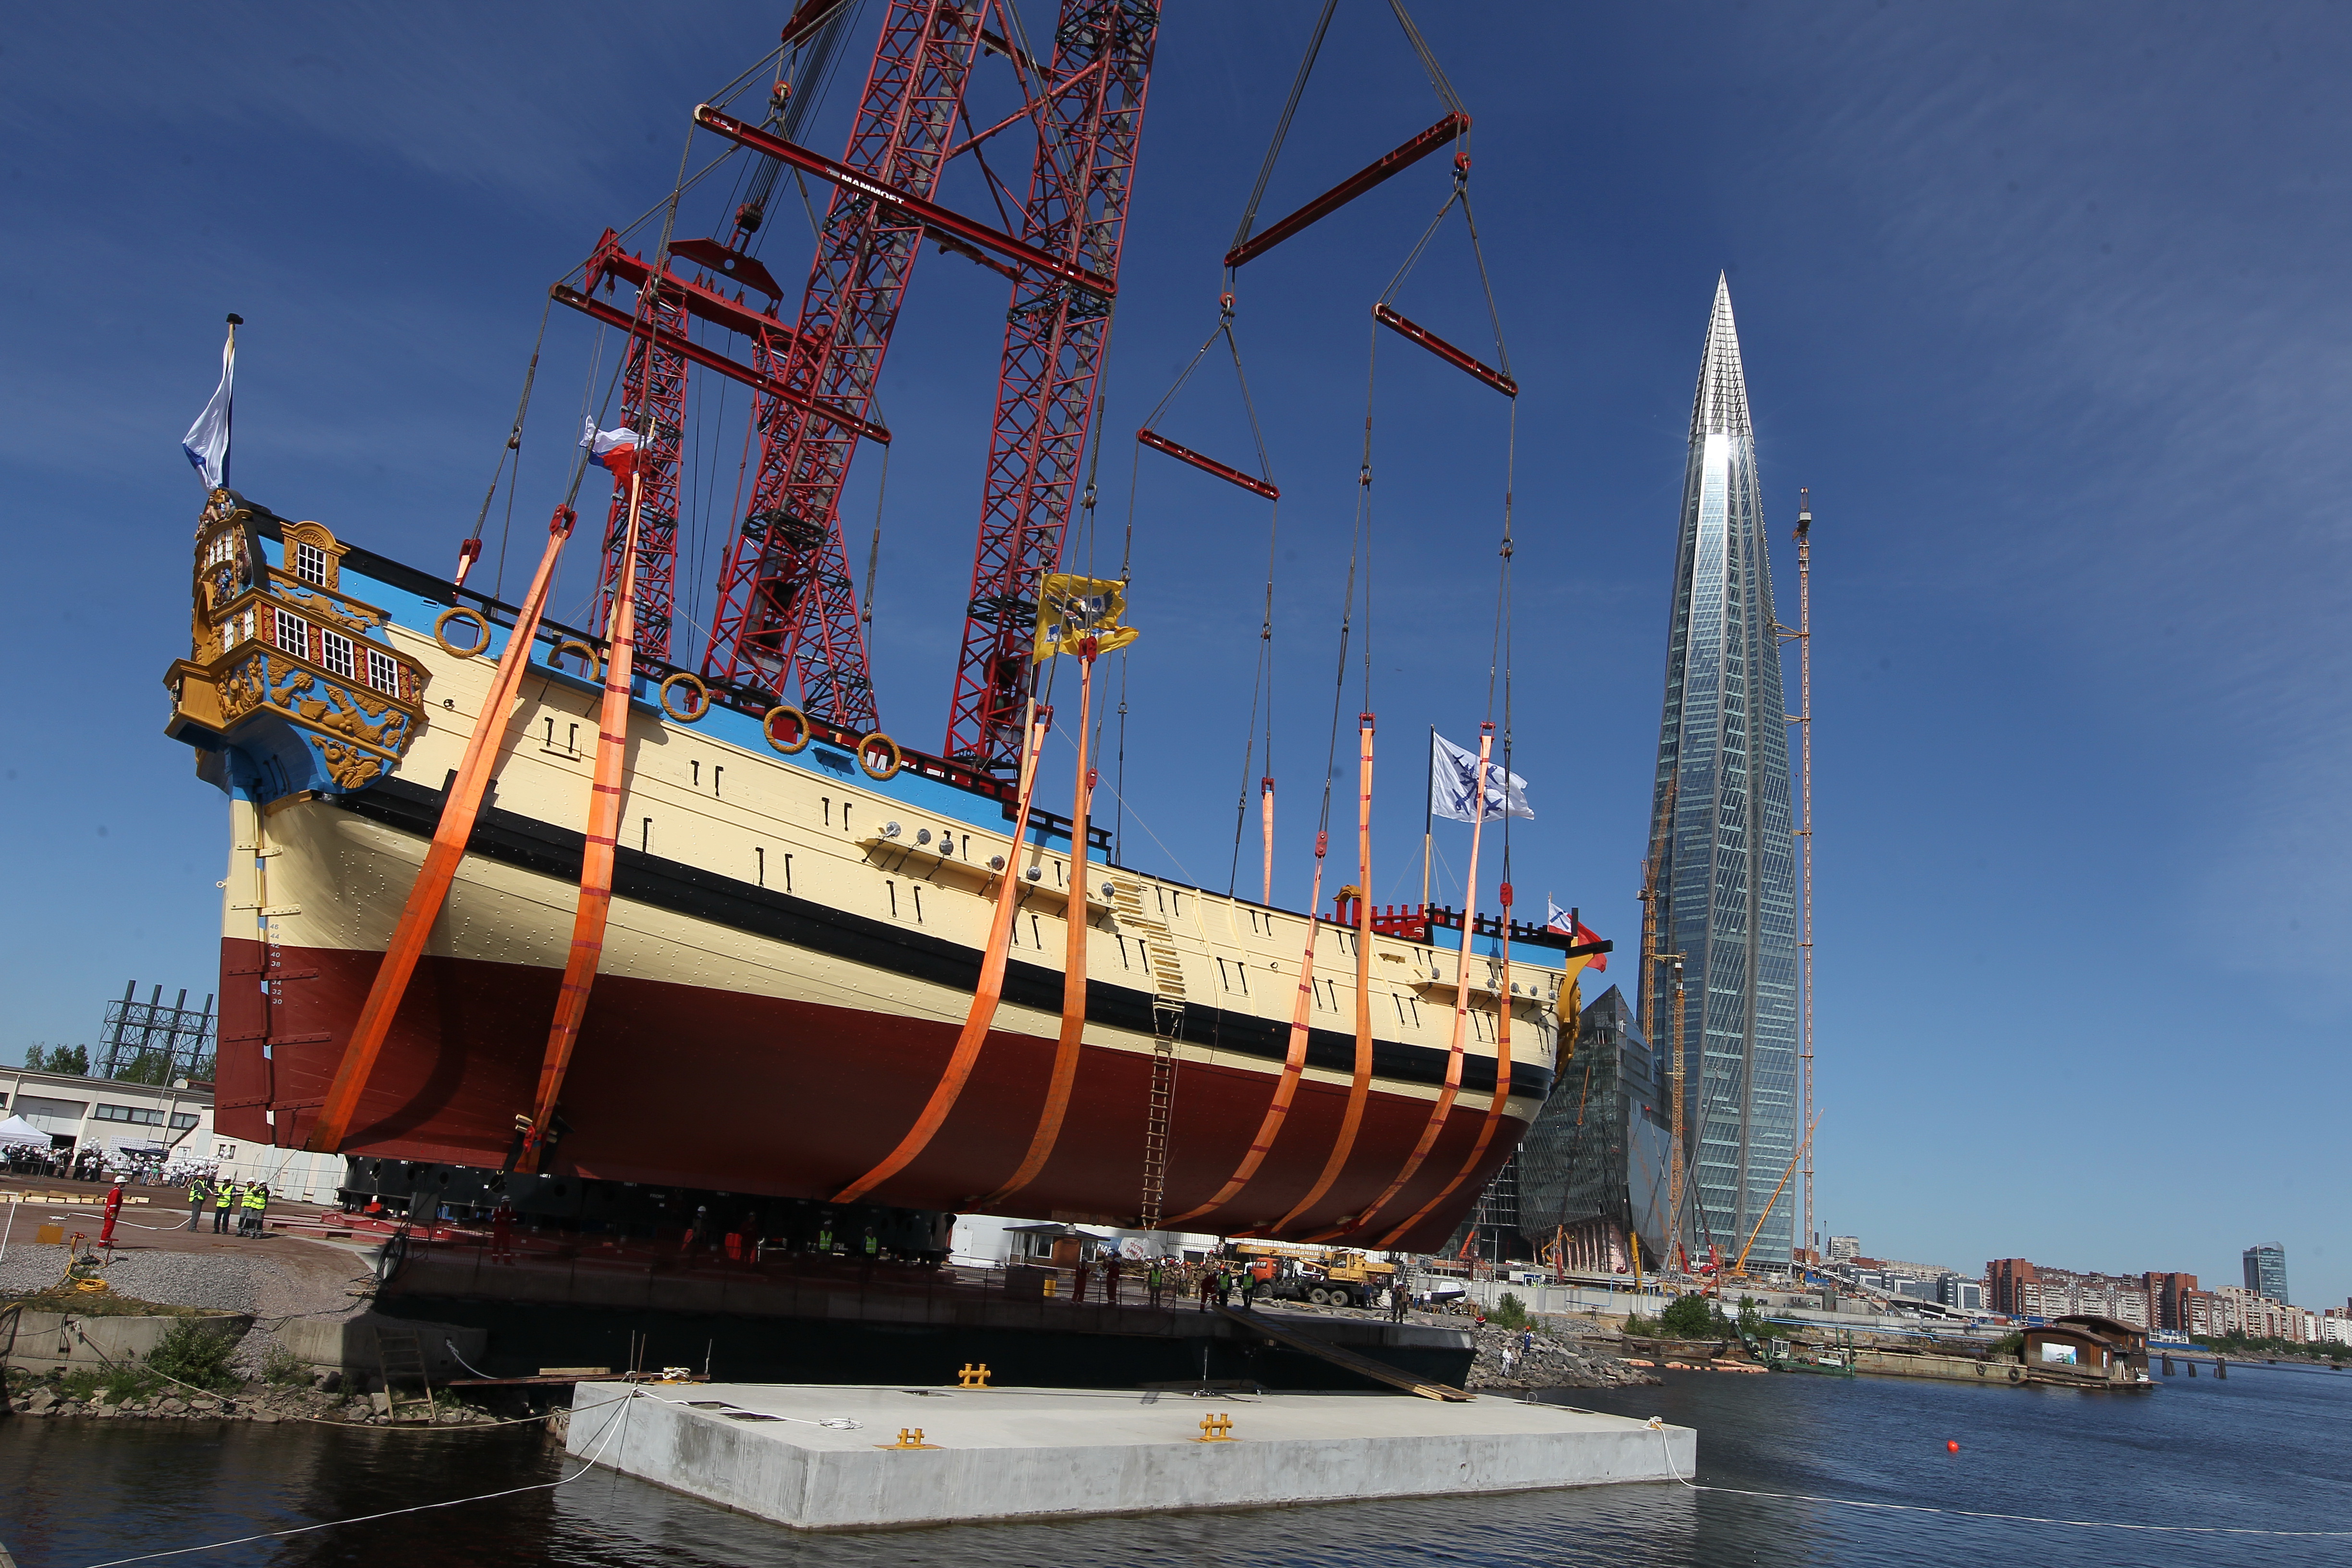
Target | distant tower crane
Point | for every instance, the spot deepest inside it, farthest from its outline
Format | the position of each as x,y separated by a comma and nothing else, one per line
1804,719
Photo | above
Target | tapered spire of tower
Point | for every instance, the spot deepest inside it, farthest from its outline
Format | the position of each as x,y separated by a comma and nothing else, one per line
1721,405
1721,808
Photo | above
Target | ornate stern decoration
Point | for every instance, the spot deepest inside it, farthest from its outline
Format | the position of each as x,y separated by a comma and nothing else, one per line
291,685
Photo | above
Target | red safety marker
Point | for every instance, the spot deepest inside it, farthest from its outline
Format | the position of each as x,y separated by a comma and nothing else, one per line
1951,1445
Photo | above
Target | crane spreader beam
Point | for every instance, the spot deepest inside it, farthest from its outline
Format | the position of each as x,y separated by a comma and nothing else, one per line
1454,126
1158,443
1412,331
734,370
931,214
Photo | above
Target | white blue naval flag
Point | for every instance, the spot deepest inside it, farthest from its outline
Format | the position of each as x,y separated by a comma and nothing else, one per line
206,442
1453,785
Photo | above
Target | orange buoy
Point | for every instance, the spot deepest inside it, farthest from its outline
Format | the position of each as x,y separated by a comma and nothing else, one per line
1951,1445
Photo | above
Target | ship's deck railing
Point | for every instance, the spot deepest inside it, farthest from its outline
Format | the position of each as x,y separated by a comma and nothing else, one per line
1413,923
754,703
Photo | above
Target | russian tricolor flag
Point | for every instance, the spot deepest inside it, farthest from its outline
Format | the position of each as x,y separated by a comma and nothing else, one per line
615,449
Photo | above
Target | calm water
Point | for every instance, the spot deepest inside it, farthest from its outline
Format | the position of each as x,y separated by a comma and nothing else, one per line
2265,1448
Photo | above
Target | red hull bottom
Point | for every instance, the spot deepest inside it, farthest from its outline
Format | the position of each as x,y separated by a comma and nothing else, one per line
686,1086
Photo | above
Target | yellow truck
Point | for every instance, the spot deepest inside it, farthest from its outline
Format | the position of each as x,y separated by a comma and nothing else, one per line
1326,1276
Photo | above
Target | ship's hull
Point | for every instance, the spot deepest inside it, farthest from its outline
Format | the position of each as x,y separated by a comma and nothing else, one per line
792,949
721,1086
792,1099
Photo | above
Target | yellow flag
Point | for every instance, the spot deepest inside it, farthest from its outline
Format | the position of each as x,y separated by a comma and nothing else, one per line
1070,609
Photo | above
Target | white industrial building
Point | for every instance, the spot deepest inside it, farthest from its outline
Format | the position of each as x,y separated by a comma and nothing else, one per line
162,1127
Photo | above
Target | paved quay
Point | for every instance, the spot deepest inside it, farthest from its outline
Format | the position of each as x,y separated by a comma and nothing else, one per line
826,1457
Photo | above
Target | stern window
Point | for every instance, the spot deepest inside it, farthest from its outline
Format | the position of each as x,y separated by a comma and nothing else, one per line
335,652
384,673
293,634
311,564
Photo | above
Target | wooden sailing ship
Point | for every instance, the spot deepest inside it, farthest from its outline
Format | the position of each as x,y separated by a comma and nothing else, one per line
783,952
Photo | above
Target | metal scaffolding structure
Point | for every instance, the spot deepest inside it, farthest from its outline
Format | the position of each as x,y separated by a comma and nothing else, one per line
148,1042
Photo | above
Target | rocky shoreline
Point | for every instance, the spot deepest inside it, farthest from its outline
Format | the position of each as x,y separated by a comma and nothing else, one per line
259,1404
255,1402
1550,1361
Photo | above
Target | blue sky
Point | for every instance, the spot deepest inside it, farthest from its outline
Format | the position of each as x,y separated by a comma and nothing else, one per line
2043,302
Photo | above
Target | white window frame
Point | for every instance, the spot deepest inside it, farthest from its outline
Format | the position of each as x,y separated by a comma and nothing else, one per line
384,672
290,625
335,654
309,562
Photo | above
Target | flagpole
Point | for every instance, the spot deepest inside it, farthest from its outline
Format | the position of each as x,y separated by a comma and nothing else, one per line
1428,817
228,440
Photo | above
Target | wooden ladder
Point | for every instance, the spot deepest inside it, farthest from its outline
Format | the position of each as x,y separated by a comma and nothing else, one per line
401,1356
1166,967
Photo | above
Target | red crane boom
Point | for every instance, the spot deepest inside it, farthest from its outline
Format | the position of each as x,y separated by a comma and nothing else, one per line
1089,112
787,612
653,402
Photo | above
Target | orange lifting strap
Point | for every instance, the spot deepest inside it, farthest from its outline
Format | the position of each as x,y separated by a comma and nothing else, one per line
1502,1076
440,869
984,998
1359,1088
595,907
1294,1061
1445,1103
1073,962
1266,818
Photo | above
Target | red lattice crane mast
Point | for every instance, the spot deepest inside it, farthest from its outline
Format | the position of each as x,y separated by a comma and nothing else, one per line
653,403
1089,108
786,618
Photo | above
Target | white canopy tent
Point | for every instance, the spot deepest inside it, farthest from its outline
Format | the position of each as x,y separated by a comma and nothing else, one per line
17,1130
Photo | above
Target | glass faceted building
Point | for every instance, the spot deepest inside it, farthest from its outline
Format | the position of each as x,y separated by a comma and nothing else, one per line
1592,1172
1720,808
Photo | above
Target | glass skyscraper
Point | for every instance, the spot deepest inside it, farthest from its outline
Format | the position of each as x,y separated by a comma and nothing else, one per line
1727,900
2266,1271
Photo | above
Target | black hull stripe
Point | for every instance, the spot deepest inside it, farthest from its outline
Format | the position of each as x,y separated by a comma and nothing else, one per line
528,843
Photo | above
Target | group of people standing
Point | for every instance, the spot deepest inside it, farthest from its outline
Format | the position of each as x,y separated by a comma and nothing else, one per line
64,1164
1214,1280
246,1202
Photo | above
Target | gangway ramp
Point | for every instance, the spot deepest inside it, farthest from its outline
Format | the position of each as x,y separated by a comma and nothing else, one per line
1362,1365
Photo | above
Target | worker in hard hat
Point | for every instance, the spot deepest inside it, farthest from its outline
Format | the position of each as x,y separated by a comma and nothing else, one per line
113,1210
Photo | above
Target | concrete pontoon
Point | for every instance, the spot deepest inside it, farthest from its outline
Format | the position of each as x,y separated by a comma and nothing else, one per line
820,1457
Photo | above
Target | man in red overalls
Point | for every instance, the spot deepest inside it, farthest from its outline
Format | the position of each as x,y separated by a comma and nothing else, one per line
114,1209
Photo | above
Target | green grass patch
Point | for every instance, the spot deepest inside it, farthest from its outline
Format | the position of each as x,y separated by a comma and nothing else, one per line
188,1354
110,1385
